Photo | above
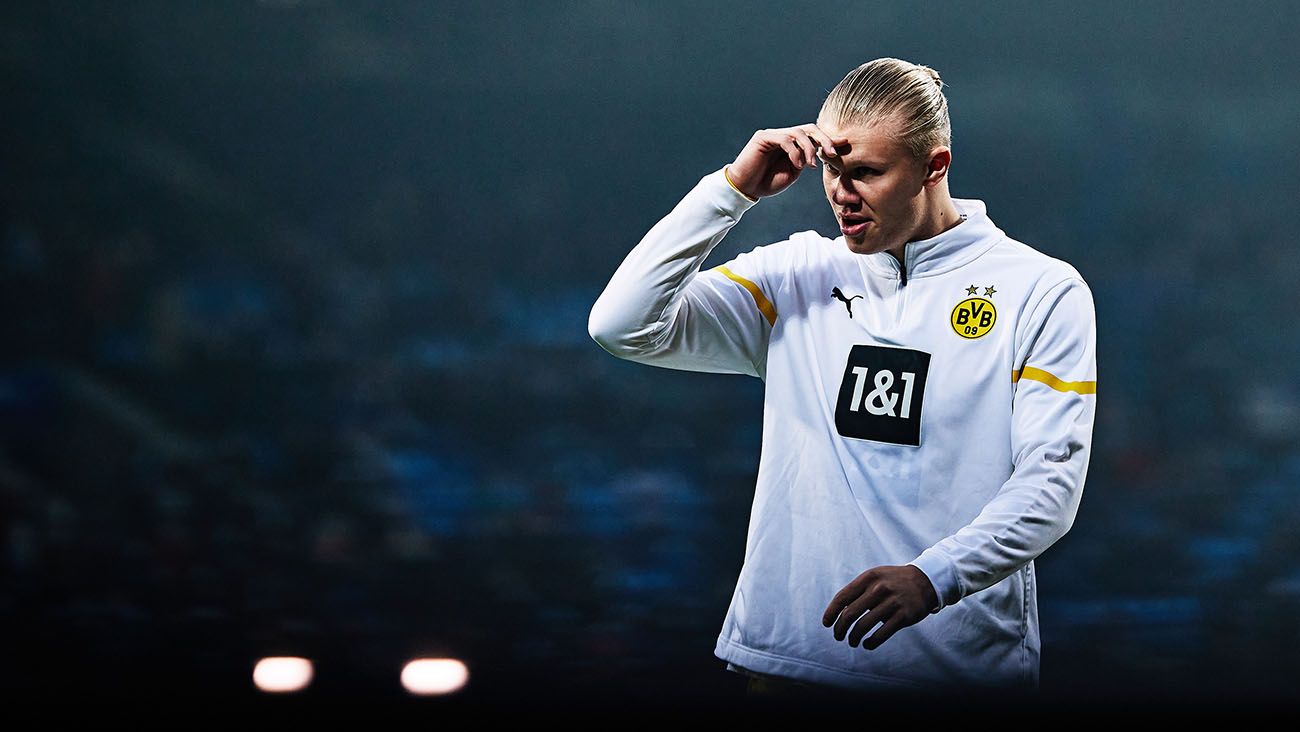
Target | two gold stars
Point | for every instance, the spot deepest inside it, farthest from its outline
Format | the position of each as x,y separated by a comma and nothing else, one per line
988,291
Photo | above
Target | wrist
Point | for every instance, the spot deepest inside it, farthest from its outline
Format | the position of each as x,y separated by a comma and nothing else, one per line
929,593
733,185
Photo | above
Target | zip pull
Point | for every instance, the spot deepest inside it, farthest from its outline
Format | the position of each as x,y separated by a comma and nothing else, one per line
902,274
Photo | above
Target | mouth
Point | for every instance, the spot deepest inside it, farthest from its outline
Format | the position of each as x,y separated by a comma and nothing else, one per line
853,225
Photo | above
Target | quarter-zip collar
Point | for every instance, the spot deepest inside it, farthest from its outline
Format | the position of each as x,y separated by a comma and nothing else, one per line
942,252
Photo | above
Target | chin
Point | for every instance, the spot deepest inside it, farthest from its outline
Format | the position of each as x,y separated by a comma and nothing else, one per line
861,246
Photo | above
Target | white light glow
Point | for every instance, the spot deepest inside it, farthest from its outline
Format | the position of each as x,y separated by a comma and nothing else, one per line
434,676
282,674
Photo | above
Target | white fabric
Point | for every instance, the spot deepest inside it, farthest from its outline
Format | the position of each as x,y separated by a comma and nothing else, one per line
996,477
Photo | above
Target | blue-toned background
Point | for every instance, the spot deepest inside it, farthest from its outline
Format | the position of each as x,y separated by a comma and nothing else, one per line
296,356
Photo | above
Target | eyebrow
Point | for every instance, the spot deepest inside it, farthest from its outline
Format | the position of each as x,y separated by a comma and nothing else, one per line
854,164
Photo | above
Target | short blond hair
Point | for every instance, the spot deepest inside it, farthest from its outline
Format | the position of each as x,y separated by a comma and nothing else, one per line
887,89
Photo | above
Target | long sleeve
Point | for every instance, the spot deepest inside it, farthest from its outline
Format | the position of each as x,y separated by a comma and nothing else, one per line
1051,433
659,309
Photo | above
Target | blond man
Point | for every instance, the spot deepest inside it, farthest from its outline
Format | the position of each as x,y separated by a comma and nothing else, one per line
930,389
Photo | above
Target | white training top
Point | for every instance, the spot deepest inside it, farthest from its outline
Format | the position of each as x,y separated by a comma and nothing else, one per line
938,414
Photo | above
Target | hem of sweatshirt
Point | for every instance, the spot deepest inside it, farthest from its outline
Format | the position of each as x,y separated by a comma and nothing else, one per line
800,669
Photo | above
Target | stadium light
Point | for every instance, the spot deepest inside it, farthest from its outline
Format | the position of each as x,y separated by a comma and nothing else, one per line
433,676
282,674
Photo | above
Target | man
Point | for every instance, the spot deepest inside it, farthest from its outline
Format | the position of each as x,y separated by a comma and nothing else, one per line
930,391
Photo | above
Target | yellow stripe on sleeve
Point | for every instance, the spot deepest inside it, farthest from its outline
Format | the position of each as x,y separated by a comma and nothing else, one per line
727,175
764,305
1029,372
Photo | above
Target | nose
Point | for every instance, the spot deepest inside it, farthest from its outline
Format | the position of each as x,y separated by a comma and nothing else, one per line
841,194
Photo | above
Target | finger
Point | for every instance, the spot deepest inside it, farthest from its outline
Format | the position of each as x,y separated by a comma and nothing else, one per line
824,140
869,599
832,611
840,145
890,627
791,149
849,615
846,595
806,144
877,614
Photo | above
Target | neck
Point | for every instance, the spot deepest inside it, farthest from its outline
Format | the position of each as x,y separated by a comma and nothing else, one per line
942,218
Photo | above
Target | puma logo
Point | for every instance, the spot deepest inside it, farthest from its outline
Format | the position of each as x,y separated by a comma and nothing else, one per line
848,301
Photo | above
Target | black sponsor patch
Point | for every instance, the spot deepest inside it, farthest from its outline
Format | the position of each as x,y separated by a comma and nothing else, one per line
882,393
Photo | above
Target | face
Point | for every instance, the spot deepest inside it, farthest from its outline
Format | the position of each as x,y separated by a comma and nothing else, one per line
875,187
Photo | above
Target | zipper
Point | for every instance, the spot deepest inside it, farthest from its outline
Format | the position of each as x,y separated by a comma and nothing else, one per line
901,290
902,266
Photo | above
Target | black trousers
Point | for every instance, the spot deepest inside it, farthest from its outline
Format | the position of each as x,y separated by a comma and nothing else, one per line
761,686
770,688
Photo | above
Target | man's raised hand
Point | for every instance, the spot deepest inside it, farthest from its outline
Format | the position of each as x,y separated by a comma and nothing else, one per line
773,159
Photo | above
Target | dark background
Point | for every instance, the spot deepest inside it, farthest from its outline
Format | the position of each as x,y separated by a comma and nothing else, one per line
296,357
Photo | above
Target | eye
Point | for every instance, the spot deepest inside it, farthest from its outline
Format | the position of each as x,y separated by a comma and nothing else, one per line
858,172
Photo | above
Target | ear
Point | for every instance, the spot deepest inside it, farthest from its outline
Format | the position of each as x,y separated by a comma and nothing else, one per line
937,166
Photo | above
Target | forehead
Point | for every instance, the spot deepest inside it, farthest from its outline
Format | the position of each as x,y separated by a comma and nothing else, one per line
876,140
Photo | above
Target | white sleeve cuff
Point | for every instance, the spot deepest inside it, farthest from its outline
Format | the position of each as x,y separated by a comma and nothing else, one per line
725,196
941,574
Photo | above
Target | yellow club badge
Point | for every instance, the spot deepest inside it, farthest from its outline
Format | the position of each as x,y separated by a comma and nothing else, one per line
975,316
